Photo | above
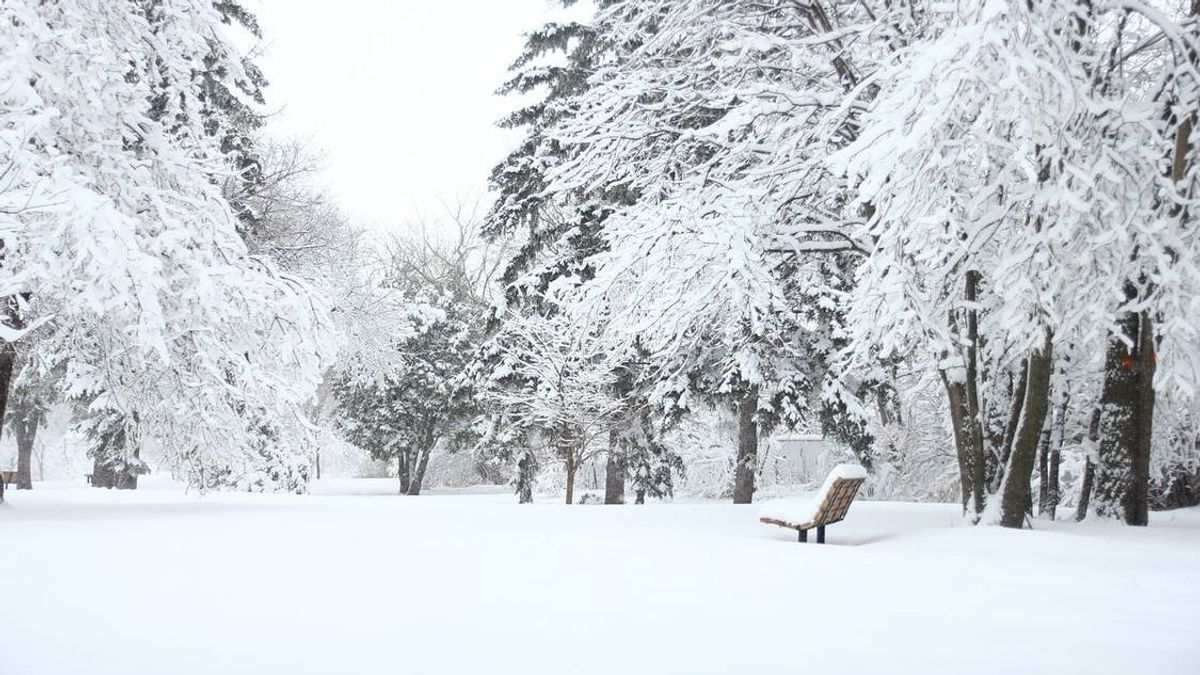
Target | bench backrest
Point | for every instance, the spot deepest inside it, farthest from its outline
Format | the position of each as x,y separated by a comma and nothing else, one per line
837,500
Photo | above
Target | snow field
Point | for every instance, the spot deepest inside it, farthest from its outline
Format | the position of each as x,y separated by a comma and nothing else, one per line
159,581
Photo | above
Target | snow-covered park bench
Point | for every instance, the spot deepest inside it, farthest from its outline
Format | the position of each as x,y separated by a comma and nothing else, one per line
8,477
827,506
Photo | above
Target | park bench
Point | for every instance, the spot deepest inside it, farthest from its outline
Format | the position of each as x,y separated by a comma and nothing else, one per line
827,506
8,477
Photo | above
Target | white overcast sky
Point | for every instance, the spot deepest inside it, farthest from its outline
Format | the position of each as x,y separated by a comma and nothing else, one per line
398,93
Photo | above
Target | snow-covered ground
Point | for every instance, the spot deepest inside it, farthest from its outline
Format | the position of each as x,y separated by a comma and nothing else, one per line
356,580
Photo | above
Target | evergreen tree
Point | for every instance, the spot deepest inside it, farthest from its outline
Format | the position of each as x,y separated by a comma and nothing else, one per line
401,414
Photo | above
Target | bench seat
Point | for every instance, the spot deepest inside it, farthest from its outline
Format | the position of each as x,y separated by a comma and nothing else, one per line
827,506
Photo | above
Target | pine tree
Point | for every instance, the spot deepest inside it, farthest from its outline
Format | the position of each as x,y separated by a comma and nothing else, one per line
401,414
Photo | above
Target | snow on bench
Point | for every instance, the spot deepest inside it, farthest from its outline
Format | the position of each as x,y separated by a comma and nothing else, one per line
827,506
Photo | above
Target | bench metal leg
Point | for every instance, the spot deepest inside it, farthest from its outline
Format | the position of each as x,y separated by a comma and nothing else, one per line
803,536
820,534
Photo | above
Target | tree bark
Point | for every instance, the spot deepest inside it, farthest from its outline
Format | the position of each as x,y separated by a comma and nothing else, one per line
962,394
1088,486
1126,421
1011,427
572,468
25,431
1044,471
747,455
1016,495
614,471
956,395
8,355
526,473
1055,460
402,471
975,449
1085,490
968,443
418,476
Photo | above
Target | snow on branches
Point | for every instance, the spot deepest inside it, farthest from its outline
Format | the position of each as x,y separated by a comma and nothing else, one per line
111,214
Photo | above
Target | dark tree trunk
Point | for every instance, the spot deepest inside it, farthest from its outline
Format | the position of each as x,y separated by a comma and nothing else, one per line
1126,421
1137,506
8,355
402,471
962,394
1085,490
1044,471
975,426
1055,460
526,473
968,444
956,395
1016,495
639,497
418,476
614,471
747,455
1088,486
25,431
569,454
1011,427
572,468
1052,496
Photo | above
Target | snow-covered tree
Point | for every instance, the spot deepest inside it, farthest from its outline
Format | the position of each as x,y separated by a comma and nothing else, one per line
715,115
400,414
1010,166
111,213
551,389
551,233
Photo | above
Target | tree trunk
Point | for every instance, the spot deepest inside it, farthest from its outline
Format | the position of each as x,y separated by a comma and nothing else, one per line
1019,471
1085,490
572,467
1052,496
1016,410
25,431
402,471
1044,471
962,394
639,497
747,456
8,354
1126,421
975,419
526,473
1089,470
614,471
968,444
418,475
956,395
1055,460
1137,505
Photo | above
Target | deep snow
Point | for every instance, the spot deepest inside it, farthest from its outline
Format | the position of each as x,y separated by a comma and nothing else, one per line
157,581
